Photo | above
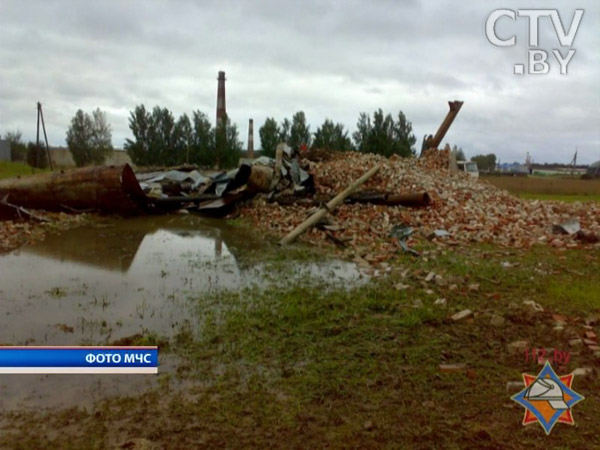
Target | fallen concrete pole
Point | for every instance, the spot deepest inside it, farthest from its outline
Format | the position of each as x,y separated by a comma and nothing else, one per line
330,206
106,189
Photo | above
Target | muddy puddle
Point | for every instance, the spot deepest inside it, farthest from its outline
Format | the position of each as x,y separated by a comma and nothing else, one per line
100,284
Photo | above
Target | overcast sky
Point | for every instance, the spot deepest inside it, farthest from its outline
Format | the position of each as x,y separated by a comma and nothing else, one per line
331,59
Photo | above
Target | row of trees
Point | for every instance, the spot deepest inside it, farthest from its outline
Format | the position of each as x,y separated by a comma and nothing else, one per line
159,139
485,162
89,138
296,133
383,135
35,155
379,134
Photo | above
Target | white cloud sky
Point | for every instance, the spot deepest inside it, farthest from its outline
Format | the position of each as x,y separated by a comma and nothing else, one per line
329,58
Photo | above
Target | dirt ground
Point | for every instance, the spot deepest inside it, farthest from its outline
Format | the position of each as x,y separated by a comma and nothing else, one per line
310,366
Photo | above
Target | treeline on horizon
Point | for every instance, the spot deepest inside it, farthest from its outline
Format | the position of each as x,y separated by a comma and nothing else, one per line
160,139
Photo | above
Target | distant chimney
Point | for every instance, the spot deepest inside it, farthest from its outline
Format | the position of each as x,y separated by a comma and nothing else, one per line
251,139
221,111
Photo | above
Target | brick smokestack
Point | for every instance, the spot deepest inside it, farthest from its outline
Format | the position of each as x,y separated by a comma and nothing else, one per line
251,138
221,111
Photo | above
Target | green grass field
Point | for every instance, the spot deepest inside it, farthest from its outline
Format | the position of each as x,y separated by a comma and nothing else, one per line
561,197
13,169
549,188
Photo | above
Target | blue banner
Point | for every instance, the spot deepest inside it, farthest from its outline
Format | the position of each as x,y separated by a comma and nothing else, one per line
93,357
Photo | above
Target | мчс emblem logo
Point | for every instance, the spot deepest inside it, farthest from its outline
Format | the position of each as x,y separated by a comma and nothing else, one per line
548,398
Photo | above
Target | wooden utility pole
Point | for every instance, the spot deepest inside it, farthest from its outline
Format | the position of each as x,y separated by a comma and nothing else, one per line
40,116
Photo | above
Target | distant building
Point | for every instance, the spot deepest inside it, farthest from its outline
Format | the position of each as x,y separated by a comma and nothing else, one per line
512,168
4,150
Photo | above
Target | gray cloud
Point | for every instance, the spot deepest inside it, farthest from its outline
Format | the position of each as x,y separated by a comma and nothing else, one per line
332,59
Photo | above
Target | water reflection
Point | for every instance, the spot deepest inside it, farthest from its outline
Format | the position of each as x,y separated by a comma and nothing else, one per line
96,285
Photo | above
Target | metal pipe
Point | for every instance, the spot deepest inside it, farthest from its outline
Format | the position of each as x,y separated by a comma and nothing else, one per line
445,126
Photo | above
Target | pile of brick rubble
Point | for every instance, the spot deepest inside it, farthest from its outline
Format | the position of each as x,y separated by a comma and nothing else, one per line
470,210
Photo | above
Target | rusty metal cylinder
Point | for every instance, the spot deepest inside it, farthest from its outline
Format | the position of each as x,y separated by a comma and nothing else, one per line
445,126
107,189
260,178
411,199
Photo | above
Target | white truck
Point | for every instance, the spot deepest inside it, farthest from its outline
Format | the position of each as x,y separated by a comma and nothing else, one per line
469,167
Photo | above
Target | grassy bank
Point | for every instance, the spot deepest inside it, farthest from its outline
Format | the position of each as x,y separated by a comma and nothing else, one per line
12,169
569,198
312,366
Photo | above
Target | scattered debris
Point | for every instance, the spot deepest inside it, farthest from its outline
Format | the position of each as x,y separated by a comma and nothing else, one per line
583,371
462,315
497,320
569,227
575,342
471,374
559,319
587,238
402,233
10,211
518,346
452,368
514,386
440,302
592,320
590,335
437,234
535,307
474,287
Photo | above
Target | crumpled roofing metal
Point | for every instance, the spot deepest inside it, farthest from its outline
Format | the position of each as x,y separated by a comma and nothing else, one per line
194,177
